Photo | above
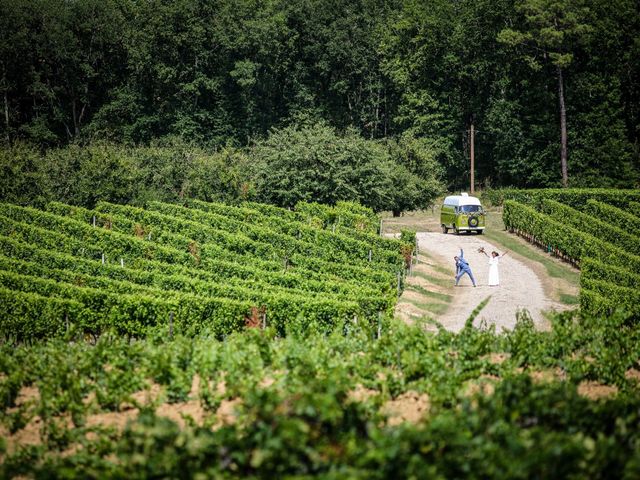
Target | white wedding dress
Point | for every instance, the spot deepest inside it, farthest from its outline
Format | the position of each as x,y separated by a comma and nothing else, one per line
494,276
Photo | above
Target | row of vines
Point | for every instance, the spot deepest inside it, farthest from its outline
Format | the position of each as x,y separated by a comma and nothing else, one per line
193,268
595,230
211,341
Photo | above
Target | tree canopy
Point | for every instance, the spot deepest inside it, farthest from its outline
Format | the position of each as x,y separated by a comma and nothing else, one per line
220,74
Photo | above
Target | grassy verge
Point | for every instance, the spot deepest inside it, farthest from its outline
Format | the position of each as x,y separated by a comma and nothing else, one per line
496,233
427,293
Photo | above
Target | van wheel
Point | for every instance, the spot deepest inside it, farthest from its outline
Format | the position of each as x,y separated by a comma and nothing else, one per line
445,230
455,229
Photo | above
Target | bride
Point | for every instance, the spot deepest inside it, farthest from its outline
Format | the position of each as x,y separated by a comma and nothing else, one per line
494,259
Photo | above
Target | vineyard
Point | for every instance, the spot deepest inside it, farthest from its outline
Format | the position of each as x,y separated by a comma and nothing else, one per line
215,341
593,229
72,272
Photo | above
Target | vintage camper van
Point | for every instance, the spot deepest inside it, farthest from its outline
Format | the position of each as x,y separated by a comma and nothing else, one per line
462,213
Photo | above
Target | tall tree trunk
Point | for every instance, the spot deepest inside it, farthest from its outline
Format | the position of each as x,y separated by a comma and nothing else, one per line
76,127
563,130
6,116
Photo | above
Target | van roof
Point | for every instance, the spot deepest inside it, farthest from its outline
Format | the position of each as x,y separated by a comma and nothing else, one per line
457,200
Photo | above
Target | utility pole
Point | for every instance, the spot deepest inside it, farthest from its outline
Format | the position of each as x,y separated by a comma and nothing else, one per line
473,141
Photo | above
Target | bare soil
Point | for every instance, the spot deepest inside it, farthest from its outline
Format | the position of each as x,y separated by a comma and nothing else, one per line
596,391
411,407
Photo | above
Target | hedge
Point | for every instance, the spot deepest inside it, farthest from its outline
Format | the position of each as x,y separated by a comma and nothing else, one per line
291,303
613,215
592,225
603,298
562,239
300,260
134,314
574,197
595,304
29,316
634,209
348,214
314,242
595,270
183,237
149,272
298,228
114,245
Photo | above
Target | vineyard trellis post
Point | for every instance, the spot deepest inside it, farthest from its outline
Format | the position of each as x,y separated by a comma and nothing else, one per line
170,324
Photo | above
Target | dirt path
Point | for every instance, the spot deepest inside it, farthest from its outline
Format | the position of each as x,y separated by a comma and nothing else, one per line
520,288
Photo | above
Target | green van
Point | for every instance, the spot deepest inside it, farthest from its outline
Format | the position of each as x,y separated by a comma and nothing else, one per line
462,213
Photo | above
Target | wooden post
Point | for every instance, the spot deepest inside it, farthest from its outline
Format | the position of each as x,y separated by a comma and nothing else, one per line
381,227
103,258
398,283
264,320
94,220
66,320
122,262
473,180
370,255
379,324
170,324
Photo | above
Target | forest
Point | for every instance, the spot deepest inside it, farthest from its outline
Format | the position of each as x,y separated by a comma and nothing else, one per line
326,100
204,267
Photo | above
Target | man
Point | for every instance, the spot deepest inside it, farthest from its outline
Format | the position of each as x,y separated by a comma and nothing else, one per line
462,267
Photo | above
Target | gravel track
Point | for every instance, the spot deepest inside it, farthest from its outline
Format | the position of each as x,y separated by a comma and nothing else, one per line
520,288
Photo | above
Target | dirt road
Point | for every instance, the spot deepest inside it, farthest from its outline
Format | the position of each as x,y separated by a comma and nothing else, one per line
520,288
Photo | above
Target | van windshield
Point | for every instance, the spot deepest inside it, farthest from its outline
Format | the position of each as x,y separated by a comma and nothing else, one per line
470,208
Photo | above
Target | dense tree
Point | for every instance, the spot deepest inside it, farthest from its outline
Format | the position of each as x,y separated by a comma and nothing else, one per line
314,163
553,29
224,73
168,170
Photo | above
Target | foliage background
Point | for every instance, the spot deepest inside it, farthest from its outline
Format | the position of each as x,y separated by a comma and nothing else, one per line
230,78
